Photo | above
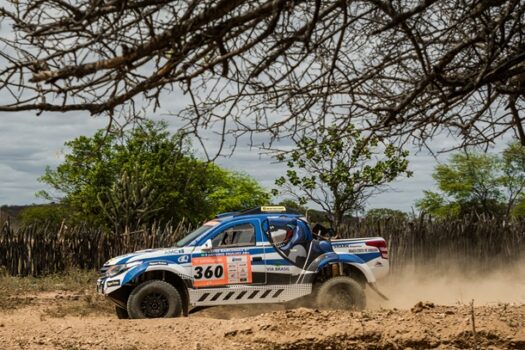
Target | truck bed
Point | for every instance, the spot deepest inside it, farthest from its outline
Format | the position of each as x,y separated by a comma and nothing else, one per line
371,250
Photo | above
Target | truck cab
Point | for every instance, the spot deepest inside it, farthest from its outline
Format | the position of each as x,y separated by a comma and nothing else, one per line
262,255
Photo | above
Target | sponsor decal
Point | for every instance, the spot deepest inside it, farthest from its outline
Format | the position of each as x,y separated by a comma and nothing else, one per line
174,251
221,252
113,283
278,268
183,259
158,263
362,250
276,208
221,270
346,244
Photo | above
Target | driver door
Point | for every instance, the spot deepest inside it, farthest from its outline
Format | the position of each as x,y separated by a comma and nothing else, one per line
287,255
232,258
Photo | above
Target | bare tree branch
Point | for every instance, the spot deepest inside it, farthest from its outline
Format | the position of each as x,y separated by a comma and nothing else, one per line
392,68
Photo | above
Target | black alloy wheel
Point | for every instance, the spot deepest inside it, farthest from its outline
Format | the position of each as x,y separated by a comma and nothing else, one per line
154,299
154,305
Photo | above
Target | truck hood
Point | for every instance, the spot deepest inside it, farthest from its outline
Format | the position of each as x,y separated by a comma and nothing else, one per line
173,254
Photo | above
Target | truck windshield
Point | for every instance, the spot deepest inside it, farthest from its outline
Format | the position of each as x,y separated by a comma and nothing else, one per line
191,236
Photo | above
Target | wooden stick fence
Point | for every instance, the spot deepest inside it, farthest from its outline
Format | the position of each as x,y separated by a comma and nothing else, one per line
475,244
43,249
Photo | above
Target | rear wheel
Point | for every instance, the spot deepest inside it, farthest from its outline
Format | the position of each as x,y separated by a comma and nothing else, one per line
154,299
122,313
341,292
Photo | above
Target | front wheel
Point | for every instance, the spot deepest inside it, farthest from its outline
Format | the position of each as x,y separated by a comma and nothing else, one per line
341,292
154,299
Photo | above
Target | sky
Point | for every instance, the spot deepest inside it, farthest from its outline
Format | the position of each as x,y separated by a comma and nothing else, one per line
29,143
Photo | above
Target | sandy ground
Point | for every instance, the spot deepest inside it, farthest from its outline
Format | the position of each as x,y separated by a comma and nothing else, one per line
426,326
74,321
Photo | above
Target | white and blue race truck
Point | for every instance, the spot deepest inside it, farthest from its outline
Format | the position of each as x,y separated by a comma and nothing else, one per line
261,255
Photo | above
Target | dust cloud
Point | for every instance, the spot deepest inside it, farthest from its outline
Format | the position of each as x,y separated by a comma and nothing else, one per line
449,286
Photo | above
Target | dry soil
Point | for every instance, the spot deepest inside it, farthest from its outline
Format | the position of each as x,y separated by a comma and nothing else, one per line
428,312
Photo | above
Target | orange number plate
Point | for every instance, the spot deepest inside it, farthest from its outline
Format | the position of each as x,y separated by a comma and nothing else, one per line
221,270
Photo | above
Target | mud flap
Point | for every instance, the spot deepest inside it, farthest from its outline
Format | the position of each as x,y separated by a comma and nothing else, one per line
374,288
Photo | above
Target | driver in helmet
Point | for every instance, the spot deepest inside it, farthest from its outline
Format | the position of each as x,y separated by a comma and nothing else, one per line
292,243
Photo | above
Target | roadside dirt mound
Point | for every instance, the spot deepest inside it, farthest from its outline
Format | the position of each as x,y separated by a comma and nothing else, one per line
425,326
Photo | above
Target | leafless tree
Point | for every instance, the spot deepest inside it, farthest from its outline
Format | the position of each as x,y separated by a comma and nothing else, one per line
393,67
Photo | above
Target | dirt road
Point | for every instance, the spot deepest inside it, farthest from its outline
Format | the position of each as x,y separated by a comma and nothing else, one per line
48,322
75,320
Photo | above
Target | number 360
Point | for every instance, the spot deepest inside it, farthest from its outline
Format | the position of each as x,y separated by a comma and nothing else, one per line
209,272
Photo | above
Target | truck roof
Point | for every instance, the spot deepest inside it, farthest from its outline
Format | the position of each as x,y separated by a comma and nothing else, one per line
260,211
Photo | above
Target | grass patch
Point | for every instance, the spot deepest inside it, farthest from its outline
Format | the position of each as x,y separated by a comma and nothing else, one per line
71,280
21,291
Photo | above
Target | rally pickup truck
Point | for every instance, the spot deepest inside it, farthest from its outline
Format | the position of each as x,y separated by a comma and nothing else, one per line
261,255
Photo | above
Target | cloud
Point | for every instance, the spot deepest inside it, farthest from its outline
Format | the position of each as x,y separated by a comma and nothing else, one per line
30,143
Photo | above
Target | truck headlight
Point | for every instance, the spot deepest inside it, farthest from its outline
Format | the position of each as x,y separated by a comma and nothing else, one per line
115,270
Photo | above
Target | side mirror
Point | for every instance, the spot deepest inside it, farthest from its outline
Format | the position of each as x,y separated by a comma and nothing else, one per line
207,245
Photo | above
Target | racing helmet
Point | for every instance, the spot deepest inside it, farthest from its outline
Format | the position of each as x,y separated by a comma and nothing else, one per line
282,235
289,233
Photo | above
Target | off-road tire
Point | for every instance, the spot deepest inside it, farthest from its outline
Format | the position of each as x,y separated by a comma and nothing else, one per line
154,299
122,313
341,292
